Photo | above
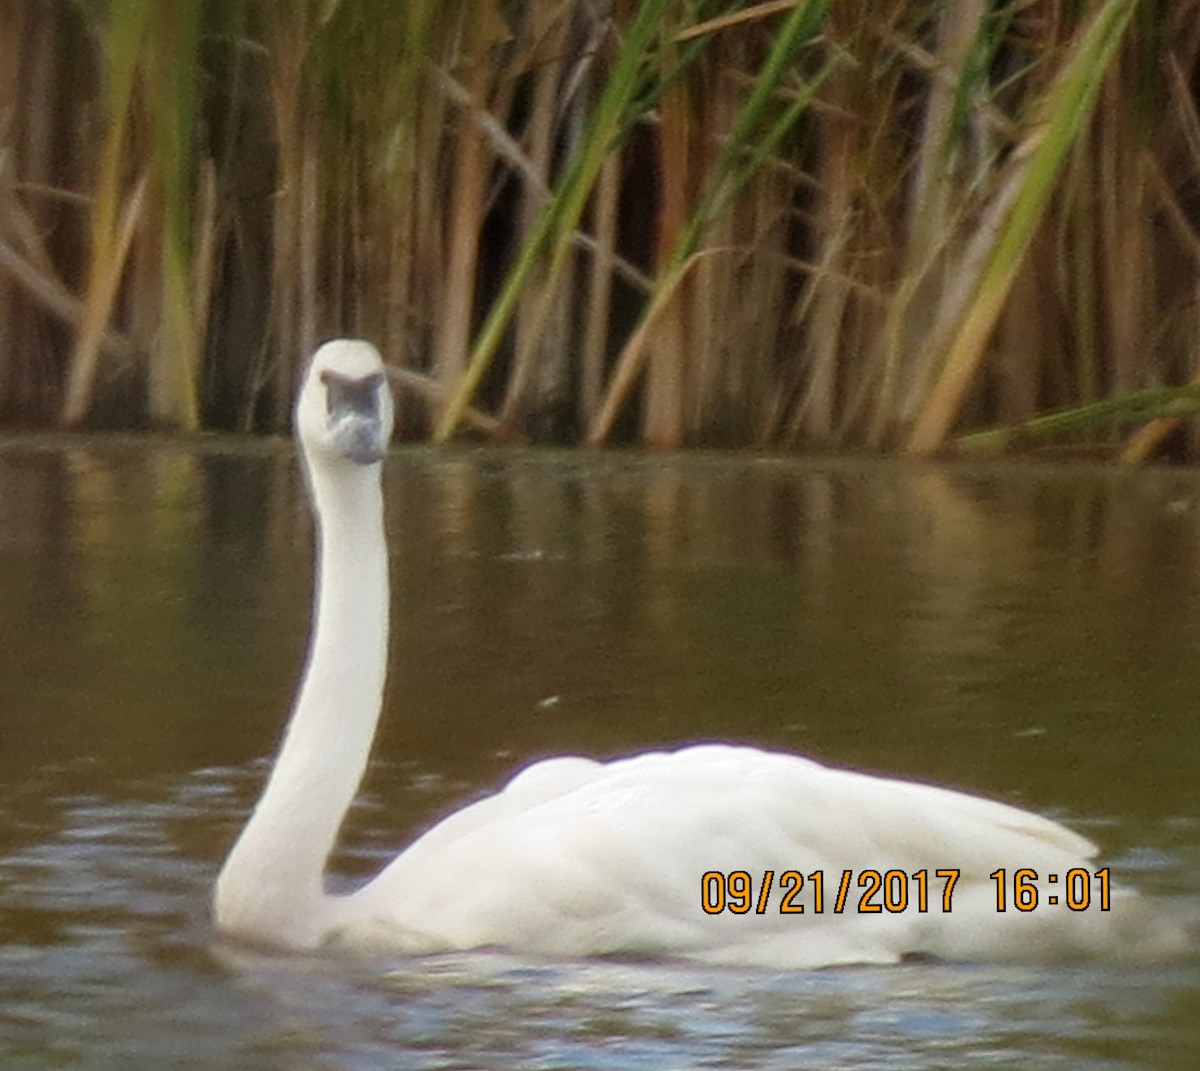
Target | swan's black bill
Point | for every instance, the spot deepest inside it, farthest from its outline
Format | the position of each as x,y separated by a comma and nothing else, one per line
345,395
354,412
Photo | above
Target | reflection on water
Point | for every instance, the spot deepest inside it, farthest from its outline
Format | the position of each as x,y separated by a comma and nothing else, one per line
1030,634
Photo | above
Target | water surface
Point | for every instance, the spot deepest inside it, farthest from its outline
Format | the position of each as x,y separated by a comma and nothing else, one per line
1026,633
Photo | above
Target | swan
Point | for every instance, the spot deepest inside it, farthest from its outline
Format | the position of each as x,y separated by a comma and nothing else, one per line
642,856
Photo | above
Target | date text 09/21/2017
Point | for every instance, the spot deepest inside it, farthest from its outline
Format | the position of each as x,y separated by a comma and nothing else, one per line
895,891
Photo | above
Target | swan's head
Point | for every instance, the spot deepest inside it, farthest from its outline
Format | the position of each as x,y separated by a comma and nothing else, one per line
345,405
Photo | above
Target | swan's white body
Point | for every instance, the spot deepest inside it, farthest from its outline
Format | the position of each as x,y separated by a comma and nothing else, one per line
575,857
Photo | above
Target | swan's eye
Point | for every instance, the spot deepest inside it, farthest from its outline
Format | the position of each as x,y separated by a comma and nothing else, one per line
345,395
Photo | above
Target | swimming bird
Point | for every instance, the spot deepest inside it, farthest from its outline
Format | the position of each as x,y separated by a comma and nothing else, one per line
714,852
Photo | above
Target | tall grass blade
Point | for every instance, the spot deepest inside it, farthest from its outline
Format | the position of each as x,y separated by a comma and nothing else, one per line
467,204
113,215
1054,129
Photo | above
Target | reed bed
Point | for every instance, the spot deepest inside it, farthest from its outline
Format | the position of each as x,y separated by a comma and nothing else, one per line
786,223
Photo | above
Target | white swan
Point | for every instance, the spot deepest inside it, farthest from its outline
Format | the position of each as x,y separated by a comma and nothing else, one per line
575,857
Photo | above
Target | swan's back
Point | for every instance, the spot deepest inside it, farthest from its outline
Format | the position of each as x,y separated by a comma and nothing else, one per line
579,857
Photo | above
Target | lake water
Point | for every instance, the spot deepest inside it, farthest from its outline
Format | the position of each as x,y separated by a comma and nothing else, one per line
1027,633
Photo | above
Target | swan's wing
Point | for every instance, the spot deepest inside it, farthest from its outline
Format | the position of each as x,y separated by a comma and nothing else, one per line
577,857
542,782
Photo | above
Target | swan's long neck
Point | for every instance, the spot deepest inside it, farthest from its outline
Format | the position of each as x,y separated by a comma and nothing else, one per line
272,885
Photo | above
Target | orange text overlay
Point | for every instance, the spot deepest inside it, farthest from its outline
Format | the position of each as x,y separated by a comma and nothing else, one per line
874,892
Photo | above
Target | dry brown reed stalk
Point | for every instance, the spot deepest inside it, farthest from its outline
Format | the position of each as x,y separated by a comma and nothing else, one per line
668,348
836,223
598,314
1151,437
467,203
30,208
428,388
288,29
541,324
738,286
12,24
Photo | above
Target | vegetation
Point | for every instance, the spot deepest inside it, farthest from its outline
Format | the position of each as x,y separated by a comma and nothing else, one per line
779,222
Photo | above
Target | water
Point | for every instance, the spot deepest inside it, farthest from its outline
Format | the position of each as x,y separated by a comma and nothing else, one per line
1030,634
